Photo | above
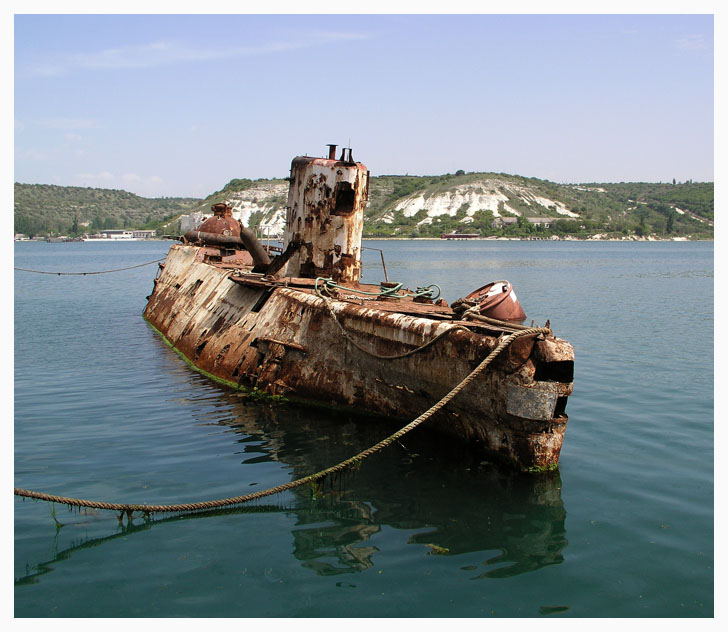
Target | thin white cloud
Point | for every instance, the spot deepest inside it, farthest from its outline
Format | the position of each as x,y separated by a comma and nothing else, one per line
36,154
107,179
102,176
66,123
72,138
133,177
166,53
692,42
149,186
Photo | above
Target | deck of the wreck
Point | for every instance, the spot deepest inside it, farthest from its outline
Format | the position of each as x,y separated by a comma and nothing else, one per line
366,295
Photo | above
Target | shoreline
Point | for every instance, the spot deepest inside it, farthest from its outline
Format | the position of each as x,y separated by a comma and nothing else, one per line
478,239
653,240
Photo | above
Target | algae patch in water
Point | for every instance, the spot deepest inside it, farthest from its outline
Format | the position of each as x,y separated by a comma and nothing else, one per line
553,609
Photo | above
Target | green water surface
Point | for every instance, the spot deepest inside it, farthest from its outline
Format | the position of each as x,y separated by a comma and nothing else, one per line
105,410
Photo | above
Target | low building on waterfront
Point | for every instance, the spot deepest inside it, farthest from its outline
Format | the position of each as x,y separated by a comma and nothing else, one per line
545,222
460,236
144,234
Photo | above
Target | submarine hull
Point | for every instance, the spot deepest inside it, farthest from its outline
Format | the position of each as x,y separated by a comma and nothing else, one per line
284,339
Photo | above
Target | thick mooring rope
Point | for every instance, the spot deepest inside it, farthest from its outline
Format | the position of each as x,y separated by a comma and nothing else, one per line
474,314
355,460
148,263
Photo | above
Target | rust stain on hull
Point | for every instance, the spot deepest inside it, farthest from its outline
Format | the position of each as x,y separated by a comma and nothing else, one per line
290,345
274,333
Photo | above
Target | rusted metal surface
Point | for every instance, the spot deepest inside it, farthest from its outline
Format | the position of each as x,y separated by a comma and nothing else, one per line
268,329
221,222
498,300
224,232
325,216
530,402
284,341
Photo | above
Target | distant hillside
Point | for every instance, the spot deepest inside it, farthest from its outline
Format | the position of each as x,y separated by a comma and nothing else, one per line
48,208
497,204
489,204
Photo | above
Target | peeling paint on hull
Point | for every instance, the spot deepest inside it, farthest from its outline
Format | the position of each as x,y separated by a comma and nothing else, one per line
285,341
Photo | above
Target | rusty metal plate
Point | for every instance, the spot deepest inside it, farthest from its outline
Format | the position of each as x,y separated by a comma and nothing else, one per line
530,403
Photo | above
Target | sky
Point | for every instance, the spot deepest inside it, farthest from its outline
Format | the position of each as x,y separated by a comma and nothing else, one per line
178,105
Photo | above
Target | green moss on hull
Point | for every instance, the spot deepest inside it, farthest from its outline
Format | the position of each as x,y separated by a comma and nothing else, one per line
534,469
254,393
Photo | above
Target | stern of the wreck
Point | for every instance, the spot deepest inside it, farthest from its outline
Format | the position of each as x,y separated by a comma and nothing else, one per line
538,379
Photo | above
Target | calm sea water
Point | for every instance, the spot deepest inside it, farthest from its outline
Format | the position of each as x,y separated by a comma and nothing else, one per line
104,410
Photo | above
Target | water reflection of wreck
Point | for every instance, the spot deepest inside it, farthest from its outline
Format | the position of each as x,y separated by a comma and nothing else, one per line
456,502
449,500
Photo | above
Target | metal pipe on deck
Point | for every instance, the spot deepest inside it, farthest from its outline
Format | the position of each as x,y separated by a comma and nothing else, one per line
246,241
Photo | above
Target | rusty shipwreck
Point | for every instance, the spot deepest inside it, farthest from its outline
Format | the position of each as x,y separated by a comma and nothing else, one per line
299,324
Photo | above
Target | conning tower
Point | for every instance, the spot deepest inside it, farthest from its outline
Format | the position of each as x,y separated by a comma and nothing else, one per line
325,216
